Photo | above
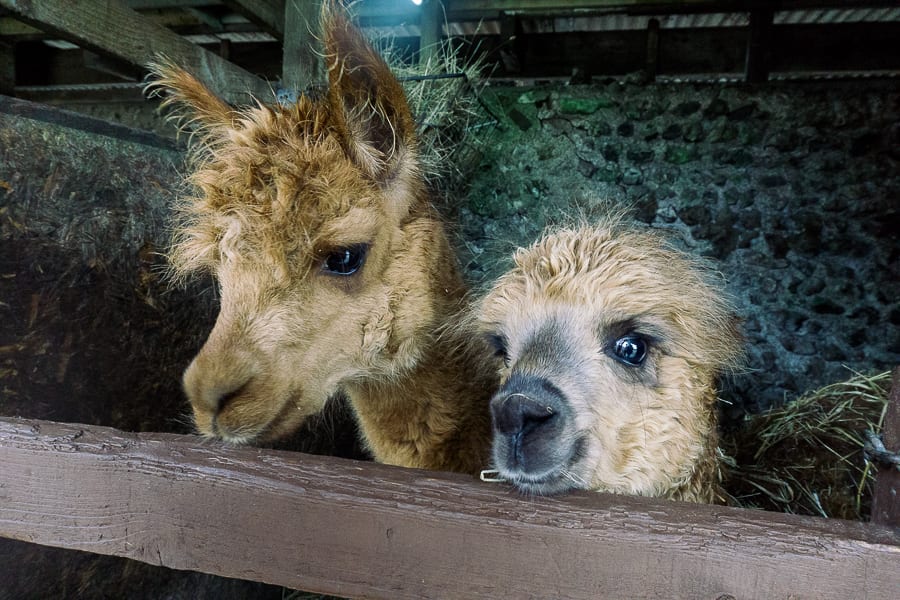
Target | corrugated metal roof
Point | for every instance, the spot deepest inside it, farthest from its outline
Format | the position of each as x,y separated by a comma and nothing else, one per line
847,15
567,24
623,22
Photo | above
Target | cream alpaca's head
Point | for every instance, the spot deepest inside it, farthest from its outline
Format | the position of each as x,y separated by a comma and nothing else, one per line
303,216
612,342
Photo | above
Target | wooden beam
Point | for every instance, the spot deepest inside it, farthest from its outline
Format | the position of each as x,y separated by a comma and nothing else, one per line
7,68
157,4
759,42
268,14
301,63
111,28
361,529
651,63
35,111
430,28
13,28
110,66
511,43
886,502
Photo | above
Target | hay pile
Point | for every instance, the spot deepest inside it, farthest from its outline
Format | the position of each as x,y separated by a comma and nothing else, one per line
445,95
807,457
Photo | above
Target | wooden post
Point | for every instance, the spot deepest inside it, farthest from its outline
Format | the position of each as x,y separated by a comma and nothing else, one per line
510,43
302,66
651,65
354,529
7,69
430,30
886,501
758,44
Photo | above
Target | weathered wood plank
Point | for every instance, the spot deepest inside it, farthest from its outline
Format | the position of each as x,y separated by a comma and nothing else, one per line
301,63
886,500
362,529
112,28
11,28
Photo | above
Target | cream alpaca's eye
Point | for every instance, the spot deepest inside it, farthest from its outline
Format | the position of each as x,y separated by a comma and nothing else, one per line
631,350
498,343
345,261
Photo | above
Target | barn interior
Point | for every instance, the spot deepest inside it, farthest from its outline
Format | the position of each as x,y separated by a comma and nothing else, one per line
762,135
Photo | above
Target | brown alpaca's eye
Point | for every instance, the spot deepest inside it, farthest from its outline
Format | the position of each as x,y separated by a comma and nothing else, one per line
345,261
631,350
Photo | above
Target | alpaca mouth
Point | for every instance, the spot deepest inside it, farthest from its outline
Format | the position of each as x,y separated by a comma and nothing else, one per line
281,424
557,478
558,481
239,436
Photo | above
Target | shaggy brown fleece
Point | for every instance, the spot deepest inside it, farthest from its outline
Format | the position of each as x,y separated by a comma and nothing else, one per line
335,273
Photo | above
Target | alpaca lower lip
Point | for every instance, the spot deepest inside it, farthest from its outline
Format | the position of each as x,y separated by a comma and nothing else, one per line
553,483
556,481
236,437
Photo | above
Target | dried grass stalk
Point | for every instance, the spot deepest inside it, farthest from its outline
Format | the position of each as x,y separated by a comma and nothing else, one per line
806,457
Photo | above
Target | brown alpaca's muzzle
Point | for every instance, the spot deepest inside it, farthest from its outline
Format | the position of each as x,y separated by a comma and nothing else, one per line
233,399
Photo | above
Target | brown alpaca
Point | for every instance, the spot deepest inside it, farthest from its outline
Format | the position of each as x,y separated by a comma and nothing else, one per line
334,271
612,344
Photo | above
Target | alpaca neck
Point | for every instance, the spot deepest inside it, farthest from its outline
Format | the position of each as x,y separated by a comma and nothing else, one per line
705,482
433,417
434,414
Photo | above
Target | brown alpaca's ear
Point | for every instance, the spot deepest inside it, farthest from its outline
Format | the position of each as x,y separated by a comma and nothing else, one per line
367,101
195,106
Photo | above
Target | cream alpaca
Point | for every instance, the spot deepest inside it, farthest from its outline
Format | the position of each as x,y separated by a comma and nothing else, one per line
612,344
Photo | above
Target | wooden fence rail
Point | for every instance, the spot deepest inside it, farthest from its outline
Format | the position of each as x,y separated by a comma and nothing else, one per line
361,529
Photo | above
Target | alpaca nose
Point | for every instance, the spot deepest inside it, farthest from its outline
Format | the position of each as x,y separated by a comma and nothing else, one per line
531,417
211,387
518,414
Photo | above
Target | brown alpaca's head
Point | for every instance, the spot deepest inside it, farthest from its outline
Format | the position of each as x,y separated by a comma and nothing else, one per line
302,214
612,343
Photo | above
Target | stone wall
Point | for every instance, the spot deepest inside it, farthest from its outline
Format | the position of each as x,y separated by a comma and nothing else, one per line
792,188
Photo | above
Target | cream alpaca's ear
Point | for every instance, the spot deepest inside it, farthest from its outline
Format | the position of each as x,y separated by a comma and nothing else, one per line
195,106
367,101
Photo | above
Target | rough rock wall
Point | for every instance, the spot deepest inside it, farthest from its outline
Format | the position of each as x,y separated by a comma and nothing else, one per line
793,188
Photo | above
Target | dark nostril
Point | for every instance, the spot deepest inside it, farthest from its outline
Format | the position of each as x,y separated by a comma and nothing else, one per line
229,397
517,413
